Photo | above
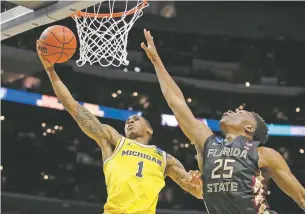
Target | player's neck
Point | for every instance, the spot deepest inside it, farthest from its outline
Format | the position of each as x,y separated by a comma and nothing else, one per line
141,140
231,136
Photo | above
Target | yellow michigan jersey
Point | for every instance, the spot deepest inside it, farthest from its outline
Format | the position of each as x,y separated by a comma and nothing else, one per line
134,177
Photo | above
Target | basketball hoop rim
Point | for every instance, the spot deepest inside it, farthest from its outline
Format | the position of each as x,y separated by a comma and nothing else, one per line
114,15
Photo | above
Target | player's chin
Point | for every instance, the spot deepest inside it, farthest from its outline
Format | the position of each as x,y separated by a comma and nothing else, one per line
132,134
223,120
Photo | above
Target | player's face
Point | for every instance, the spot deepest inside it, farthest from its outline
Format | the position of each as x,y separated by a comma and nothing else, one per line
237,121
135,127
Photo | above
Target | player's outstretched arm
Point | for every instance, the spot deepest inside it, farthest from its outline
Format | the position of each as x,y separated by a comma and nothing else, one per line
88,123
192,128
190,182
281,174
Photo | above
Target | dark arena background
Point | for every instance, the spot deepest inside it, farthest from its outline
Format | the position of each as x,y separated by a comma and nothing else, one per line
223,55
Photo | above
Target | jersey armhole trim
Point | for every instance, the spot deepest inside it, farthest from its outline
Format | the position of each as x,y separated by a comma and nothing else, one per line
116,150
165,163
206,144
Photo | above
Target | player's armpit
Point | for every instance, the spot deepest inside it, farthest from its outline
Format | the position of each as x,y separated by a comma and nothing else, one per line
92,127
189,182
281,174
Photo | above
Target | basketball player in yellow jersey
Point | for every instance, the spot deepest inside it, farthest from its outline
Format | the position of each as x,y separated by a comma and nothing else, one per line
134,171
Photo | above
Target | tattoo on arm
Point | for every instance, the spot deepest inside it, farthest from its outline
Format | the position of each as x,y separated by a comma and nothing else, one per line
176,171
179,174
179,170
90,124
87,120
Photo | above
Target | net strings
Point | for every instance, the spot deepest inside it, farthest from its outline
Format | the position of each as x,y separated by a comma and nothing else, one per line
104,40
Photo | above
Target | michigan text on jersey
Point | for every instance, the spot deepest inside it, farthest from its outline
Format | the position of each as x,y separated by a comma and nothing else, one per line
142,155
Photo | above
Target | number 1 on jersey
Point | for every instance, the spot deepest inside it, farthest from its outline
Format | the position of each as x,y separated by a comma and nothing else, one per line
140,169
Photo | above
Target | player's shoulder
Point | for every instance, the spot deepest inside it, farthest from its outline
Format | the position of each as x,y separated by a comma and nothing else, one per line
266,151
267,156
158,149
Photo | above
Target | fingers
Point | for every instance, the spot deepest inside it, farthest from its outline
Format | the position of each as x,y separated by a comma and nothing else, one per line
143,46
195,173
38,48
44,61
37,45
149,48
185,180
148,37
188,182
191,172
148,32
198,173
196,178
193,180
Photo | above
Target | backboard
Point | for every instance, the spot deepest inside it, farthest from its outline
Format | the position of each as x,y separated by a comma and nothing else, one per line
30,14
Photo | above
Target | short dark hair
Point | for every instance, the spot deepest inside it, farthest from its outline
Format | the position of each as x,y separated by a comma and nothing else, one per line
261,130
149,125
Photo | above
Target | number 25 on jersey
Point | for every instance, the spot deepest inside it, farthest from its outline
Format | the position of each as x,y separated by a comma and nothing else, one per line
227,169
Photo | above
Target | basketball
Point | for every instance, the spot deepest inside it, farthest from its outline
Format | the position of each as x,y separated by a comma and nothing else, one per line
57,44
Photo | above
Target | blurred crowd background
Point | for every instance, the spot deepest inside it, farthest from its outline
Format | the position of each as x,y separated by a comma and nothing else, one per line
224,55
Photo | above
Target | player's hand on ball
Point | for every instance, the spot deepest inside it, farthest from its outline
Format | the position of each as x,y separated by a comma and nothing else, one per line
48,66
150,49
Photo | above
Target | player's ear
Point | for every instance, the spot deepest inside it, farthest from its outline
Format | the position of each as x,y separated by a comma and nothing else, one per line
249,129
150,131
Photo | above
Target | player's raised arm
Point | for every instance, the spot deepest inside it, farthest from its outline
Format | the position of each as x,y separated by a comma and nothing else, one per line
281,174
192,128
88,123
190,182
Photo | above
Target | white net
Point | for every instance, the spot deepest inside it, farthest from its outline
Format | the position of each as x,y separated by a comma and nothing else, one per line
103,37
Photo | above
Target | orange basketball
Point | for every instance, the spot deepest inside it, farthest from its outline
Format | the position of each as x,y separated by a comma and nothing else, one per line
57,44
